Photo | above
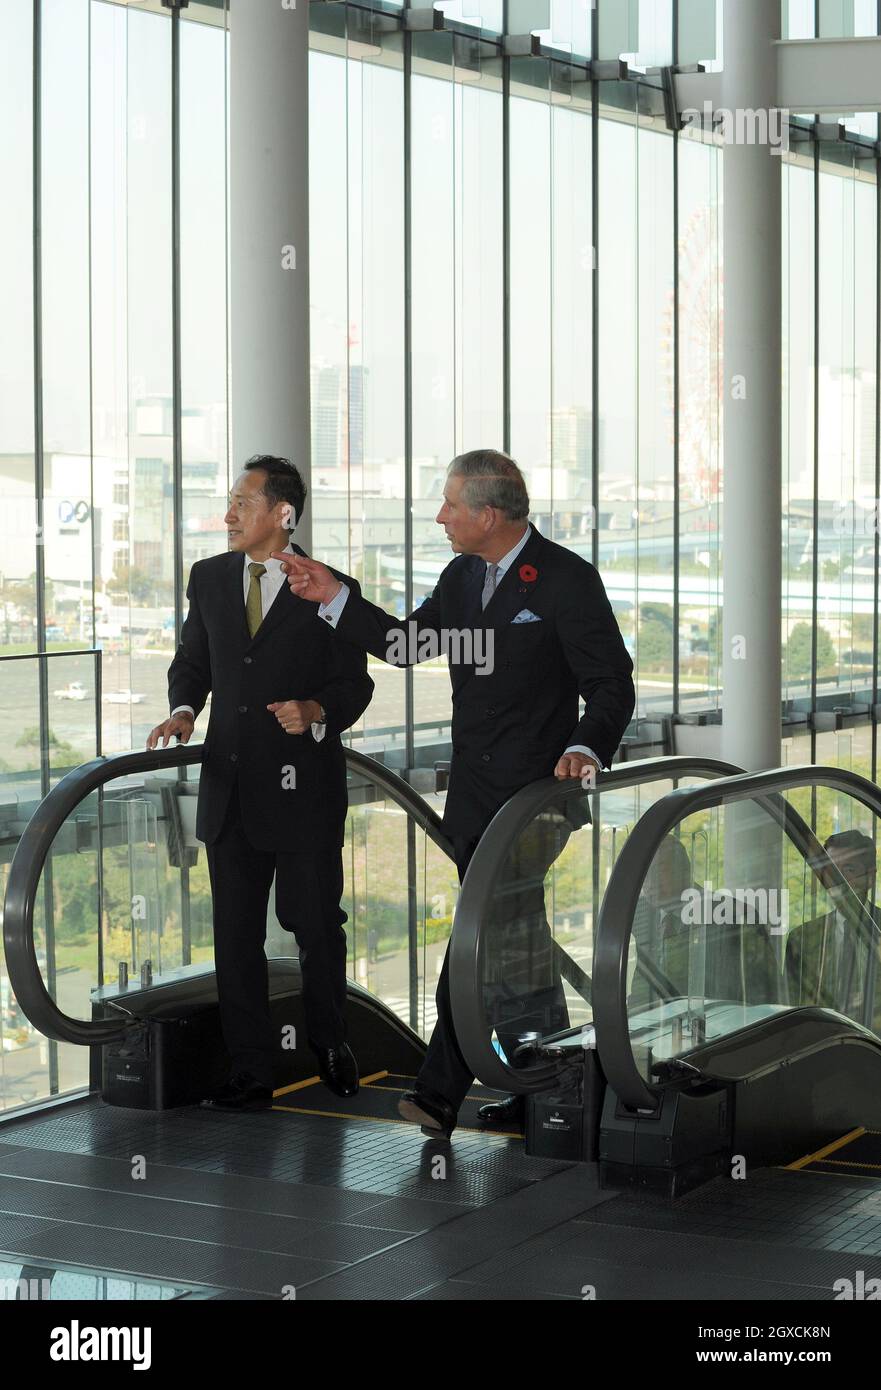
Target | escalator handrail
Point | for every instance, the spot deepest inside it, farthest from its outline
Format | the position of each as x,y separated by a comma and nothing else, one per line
32,851
628,876
401,792
467,945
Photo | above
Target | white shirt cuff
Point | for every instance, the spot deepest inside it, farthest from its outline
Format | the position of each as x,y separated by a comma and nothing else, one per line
332,612
580,748
183,709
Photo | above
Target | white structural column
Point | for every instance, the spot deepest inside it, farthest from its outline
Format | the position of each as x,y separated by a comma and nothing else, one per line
752,567
269,232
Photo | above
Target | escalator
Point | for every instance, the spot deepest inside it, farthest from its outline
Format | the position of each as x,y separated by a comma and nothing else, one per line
733,1014
114,844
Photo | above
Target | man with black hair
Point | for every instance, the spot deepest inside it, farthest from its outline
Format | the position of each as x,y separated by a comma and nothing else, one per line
272,793
834,961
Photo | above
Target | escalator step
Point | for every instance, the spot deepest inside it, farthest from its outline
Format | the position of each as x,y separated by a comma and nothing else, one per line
377,1100
856,1154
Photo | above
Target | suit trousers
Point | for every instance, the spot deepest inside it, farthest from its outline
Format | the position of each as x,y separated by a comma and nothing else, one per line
308,888
538,1005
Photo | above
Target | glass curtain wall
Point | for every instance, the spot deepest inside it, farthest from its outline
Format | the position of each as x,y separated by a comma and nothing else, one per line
831,483
112,479
830,19
551,264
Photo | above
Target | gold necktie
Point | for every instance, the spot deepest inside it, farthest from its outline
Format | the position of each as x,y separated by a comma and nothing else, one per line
254,605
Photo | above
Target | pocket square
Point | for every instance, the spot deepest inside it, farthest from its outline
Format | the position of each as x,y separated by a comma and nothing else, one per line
525,616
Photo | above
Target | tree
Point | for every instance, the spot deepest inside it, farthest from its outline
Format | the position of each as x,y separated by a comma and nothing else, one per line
128,579
31,738
655,645
799,650
657,613
862,629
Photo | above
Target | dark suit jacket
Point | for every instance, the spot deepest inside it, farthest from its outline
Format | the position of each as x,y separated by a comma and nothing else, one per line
812,981
291,658
511,727
738,961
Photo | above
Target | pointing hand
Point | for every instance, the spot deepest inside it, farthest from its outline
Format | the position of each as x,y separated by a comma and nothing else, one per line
308,579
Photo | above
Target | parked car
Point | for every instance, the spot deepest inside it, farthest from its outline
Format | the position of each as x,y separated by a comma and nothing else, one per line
124,697
75,690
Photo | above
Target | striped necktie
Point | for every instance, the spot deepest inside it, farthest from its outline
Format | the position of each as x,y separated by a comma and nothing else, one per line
254,604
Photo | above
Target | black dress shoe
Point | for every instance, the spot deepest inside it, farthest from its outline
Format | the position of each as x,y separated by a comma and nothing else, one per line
338,1069
242,1092
509,1113
435,1115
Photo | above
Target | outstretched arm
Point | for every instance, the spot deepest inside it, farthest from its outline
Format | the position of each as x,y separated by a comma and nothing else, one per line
363,624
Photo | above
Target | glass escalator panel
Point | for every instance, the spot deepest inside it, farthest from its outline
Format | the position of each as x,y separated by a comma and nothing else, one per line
538,898
124,889
747,909
539,932
400,894
124,901
707,941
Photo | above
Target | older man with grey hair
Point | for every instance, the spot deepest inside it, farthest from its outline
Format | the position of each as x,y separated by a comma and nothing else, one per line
544,613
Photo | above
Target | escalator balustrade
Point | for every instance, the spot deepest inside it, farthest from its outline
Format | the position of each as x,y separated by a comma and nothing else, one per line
738,1016
729,959
109,871
524,940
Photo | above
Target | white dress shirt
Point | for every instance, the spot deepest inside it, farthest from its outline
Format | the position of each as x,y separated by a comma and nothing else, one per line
270,583
332,612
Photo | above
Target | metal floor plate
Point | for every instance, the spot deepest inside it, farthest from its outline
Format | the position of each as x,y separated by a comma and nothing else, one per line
254,1206
273,1205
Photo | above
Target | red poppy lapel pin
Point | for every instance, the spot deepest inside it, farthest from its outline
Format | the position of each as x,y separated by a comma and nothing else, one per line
528,575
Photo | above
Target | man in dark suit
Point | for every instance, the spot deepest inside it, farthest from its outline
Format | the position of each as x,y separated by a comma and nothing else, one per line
834,961
272,793
690,946
658,911
527,628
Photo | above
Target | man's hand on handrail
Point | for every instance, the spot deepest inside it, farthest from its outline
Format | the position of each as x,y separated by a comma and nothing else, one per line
180,725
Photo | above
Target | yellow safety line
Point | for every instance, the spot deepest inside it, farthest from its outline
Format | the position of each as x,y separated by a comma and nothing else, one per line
296,1086
821,1173
336,1115
395,1090
379,1120
402,1076
313,1080
829,1149
398,1090
852,1163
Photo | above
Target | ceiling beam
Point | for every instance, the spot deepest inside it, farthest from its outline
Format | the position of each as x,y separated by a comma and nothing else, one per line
837,76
